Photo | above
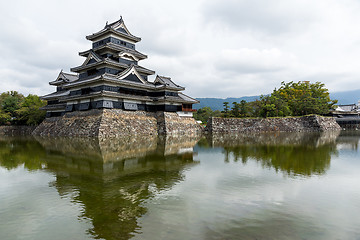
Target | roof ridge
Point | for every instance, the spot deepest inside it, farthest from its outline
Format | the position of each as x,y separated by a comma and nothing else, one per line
73,74
113,28
164,77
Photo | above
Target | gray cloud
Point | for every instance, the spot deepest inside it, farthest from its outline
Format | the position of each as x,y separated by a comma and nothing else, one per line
244,61
272,16
214,48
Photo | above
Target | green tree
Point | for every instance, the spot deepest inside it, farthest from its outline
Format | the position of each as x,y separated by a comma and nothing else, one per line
305,98
225,113
273,106
203,114
254,108
294,99
9,103
235,110
5,117
245,109
29,112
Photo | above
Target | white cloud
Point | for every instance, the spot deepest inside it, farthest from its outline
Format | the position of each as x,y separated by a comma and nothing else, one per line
214,48
270,17
246,60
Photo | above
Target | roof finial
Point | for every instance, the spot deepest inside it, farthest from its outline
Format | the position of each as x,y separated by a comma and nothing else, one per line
106,24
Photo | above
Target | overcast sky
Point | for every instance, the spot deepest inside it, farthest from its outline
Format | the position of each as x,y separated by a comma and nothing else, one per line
214,48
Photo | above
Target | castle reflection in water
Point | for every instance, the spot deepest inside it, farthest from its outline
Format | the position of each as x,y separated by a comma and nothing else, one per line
112,178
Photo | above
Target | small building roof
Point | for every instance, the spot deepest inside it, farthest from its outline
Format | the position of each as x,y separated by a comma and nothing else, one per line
167,82
346,108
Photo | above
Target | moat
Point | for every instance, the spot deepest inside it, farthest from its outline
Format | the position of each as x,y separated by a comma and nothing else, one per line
253,186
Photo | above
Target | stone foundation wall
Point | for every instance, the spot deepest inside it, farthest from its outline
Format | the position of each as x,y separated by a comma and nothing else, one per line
312,123
117,123
16,130
172,124
84,124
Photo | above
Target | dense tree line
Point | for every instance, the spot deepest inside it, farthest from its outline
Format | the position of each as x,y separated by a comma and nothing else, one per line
291,99
16,109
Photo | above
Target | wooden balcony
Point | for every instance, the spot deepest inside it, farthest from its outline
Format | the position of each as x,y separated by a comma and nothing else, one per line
188,110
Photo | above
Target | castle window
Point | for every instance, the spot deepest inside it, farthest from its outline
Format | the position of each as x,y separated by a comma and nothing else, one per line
92,72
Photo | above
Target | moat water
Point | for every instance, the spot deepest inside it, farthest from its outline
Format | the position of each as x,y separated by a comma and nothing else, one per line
262,186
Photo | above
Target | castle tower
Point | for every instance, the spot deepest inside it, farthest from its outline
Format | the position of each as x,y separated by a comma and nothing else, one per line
111,78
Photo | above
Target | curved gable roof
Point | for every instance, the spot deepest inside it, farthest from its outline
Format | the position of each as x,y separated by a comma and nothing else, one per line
131,70
64,78
167,82
91,55
117,27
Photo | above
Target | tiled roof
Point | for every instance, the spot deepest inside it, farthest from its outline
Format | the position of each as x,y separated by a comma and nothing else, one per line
64,78
104,61
144,70
117,27
166,81
187,98
125,49
71,77
55,95
116,47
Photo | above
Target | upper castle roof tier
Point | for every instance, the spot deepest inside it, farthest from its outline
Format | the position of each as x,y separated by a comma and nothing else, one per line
94,60
117,28
111,47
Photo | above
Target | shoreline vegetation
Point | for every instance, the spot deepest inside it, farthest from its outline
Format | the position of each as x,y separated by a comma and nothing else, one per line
18,110
290,100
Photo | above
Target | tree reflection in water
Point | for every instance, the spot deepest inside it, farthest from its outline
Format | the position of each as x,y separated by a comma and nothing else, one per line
294,154
110,178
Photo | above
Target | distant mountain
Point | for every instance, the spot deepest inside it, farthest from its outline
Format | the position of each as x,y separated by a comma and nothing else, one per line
346,97
217,103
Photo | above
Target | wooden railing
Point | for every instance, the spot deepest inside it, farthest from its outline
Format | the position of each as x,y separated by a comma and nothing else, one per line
188,110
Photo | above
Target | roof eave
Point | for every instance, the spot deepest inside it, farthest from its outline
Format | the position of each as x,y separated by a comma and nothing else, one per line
55,83
145,70
159,87
106,78
110,30
103,62
133,51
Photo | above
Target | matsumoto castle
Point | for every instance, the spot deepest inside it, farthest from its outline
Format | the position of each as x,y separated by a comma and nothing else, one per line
110,78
